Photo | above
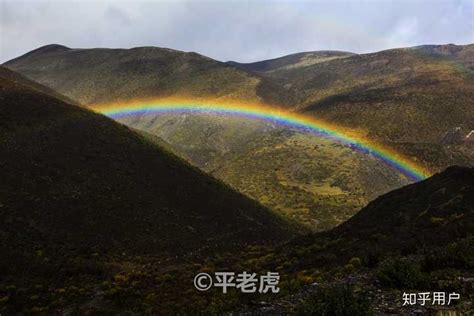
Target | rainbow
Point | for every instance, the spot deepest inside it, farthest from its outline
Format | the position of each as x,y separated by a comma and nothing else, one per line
356,141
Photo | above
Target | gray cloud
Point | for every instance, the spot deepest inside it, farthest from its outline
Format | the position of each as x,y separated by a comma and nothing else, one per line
231,30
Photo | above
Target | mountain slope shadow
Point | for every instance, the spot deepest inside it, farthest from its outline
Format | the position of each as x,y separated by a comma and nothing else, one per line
436,211
427,226
75,182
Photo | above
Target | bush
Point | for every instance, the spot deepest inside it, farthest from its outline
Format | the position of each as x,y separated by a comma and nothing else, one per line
401,274
339,300
457,255
372,258
355,262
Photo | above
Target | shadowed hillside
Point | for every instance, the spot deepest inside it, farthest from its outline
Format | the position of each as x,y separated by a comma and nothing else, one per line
413,239
416,238
91,208
436,211
77,187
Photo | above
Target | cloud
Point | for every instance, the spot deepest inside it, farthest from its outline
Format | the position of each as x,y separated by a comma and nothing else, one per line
231,30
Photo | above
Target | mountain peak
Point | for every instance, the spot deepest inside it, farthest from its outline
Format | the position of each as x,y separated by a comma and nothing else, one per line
51,48
46,49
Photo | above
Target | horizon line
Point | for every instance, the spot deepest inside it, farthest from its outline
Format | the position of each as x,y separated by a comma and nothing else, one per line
234,60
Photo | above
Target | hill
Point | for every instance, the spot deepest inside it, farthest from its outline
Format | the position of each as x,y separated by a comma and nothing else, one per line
436,211
407,98
327,182
79,189
293,61
100,75
408,95
411,239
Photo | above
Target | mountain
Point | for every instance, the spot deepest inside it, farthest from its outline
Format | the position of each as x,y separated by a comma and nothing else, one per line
406,98
327,182
408,95
397,95
438,210
78,186
410,239
33,85
421,216
461,53
100,217
454,136
293,61
319,185
101,75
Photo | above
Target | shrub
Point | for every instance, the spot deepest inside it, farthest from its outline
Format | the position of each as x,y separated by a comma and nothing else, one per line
437,220
372,258
348,268
401,273
458,255
355,262
339,300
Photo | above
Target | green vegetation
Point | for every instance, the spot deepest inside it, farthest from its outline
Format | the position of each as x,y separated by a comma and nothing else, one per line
407,98
323,186
109,75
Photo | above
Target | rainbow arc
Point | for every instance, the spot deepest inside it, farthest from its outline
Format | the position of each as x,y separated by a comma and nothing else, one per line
387,155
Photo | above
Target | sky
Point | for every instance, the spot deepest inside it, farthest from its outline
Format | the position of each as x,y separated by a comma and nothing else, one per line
243,31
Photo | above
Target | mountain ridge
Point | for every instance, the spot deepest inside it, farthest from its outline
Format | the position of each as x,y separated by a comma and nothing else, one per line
273,64
129,65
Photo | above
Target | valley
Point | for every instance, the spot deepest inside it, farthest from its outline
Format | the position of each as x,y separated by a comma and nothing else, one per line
103,216
395,97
